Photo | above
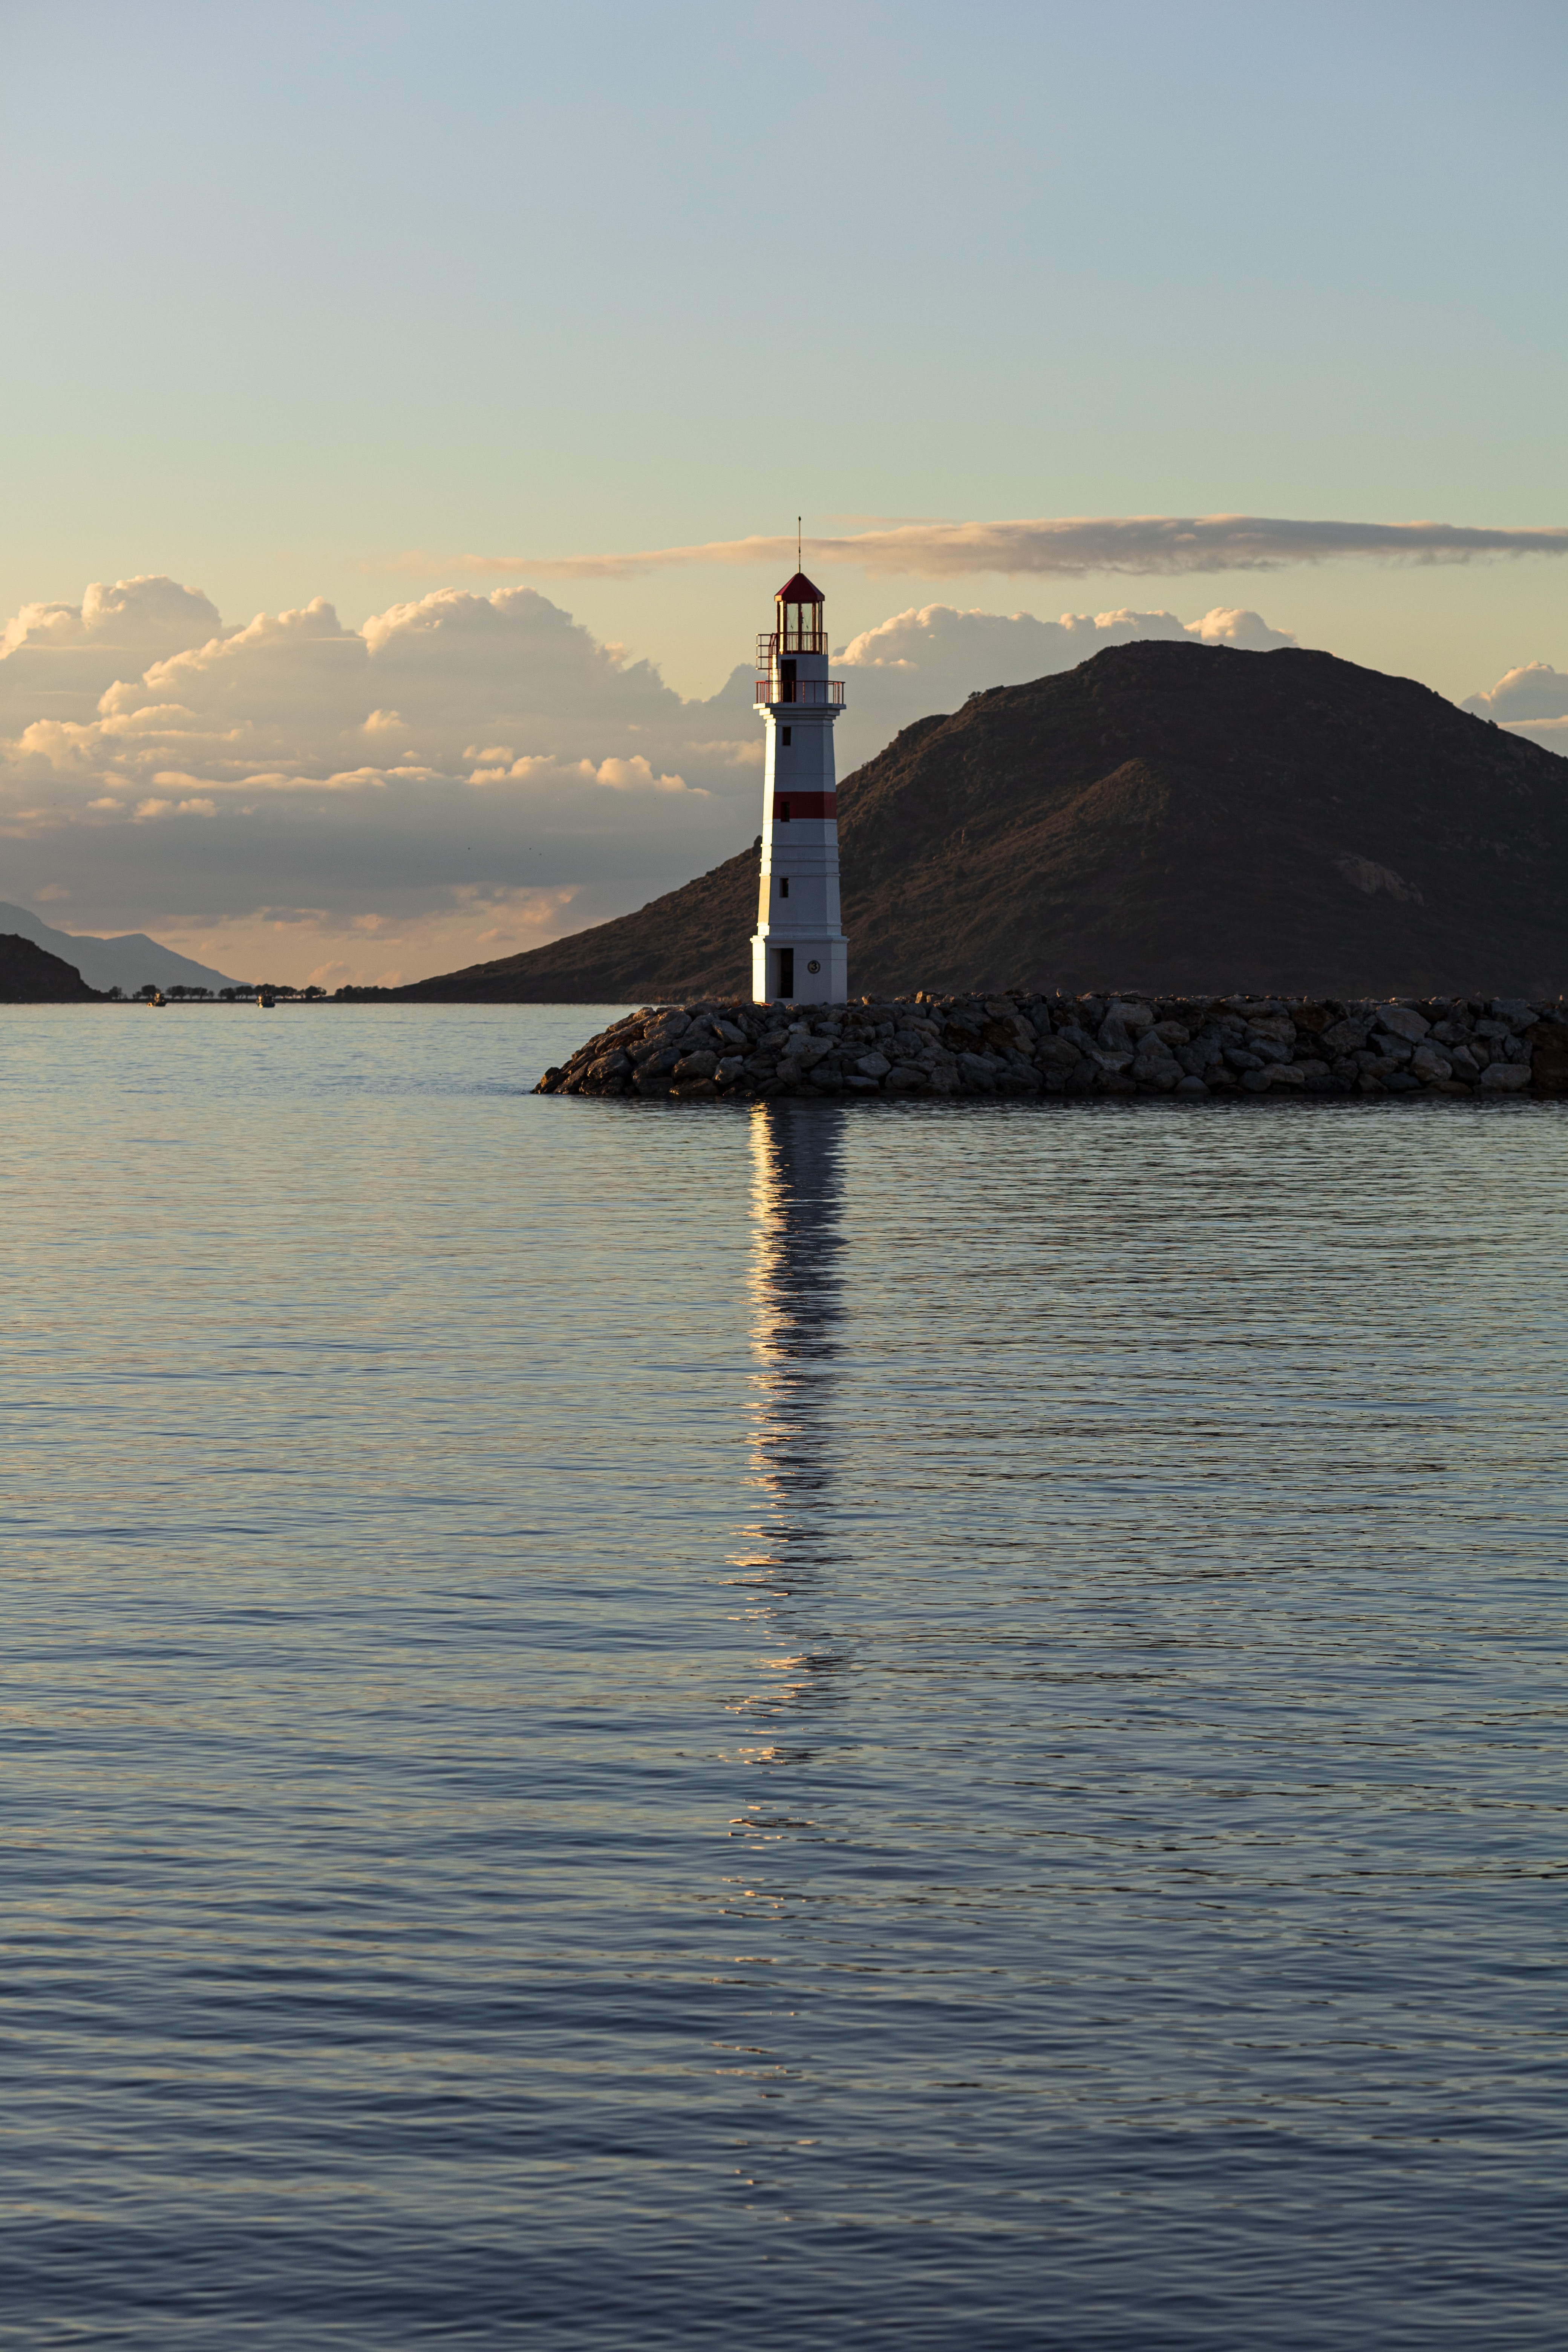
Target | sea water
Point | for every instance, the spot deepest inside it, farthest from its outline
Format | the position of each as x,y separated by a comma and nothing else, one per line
813,1724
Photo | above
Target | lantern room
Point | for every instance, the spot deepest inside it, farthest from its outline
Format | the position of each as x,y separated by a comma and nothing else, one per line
797,609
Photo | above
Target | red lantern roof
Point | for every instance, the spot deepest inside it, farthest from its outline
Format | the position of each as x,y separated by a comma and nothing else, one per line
799,590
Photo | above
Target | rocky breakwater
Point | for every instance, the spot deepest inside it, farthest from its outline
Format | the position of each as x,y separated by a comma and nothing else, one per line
1019,1044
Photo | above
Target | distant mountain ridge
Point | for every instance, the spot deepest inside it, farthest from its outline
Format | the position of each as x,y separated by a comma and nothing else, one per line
127,962
1167,819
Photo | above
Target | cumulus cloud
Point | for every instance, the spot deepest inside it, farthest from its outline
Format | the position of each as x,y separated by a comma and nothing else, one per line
150,613
368,777
1535,690
463,775
1532,701
929,657
1144,545
56,659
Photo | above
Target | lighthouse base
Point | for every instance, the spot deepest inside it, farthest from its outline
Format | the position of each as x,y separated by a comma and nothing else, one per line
799,970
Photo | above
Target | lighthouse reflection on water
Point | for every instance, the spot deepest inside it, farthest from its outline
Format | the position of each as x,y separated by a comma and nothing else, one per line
795,1285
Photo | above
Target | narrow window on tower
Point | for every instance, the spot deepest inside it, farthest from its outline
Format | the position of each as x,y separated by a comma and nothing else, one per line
784,737
784,886
782,810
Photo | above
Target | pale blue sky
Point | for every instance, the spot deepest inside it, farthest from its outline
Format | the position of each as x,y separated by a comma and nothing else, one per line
291,290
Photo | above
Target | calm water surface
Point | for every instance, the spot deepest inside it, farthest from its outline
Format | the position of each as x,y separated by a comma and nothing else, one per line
913,1725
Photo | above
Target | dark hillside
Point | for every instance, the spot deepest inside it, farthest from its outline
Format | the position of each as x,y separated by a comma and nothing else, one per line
29,974
1164,818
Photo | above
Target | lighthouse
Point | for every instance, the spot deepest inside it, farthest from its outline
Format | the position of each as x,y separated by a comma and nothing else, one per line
798,952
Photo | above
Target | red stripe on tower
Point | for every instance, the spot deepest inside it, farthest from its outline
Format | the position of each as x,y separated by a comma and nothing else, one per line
788,806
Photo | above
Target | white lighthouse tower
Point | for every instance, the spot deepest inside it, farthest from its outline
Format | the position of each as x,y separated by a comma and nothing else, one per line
799,953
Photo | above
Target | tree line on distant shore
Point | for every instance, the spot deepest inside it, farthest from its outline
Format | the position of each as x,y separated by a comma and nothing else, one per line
245,992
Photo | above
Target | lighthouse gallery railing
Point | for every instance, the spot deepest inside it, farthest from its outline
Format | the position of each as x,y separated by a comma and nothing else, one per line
801,689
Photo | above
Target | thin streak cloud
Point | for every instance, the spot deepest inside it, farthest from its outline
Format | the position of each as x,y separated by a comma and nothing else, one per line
1143,545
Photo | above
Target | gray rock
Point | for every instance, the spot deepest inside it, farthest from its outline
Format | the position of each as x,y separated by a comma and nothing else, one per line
1133,1018
658,1044
1191,1086
1239,1059
700,1065
1505,1077
1403,1022
873,1065
803,1054
1427,1062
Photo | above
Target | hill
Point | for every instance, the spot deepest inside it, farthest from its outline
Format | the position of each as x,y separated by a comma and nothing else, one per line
30,976
127,962
1164,818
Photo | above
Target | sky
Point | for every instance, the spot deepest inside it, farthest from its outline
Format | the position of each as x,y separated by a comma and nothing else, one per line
375,330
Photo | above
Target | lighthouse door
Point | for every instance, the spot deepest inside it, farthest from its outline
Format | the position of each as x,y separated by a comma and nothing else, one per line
786,971
786,681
